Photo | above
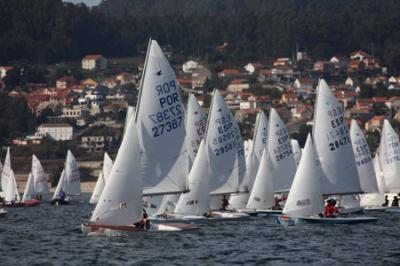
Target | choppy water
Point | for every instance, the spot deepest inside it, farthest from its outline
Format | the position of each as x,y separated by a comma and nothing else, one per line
48,235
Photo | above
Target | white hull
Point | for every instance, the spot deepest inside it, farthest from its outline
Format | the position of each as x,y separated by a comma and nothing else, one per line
3,213
130,230
286,220
215,217
375,209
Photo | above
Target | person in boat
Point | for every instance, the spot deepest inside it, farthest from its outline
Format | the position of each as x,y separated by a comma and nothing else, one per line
395,202
62,195
386,201
224,203
277,205
330,210
144,223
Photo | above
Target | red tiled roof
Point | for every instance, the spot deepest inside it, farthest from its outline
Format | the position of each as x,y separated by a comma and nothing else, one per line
230,72
92,57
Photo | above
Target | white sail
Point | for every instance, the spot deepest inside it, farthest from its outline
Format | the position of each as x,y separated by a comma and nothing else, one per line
120,202
296,150
29,192
60,185
6,173
333,145
39,177
389,155
305,198
130,112
107,166
375,199
72,182
262,195
253,158
196,125
12,189
161,124
280,153
197,200
1,170
224,145
168,203
98,188
362,154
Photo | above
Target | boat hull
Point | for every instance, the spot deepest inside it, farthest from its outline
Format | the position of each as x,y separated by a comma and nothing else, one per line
59,202
286,220
375,209
392,209
92,229
195,219
3,213
27,203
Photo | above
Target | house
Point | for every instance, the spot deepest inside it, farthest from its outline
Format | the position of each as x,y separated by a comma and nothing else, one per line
199,76
394,80
252,67
375,123
393,103
4,70
283,61
340,62
325,67
57,132
238,85
97,143
89,83
228,73
254,102
355,66
184,82
289,98
125,78
76,111
349,82
359,55
189,66
65,82
94,62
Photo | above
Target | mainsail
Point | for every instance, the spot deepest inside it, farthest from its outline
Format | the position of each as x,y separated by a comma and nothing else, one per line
253,158
72,181
280,153
160,124
39,177
6,173
365,167
224,146
12,189
333,145
389,155
29,192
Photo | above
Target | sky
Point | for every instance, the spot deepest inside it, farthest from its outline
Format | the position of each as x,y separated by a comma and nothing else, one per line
87,2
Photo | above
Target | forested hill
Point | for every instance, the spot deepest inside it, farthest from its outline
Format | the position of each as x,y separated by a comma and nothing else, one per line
50,31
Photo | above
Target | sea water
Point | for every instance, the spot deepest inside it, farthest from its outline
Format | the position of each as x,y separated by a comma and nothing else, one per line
50,235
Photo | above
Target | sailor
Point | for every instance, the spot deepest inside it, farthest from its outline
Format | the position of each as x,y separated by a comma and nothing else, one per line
277,205
224,203
62,195
386,202
330,209
144,223
395,202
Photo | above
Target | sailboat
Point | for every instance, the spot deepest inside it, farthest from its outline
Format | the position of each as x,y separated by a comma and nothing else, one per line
101,180
374,201
217,169
69,183
120,205
28,198
389,155
253,158
305,202
196,124
277,167
40,183
296,150
365,169
160,118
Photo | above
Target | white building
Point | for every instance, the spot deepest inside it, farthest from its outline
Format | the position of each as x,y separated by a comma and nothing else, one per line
252,67
55,132
96,61
189,66
4,70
